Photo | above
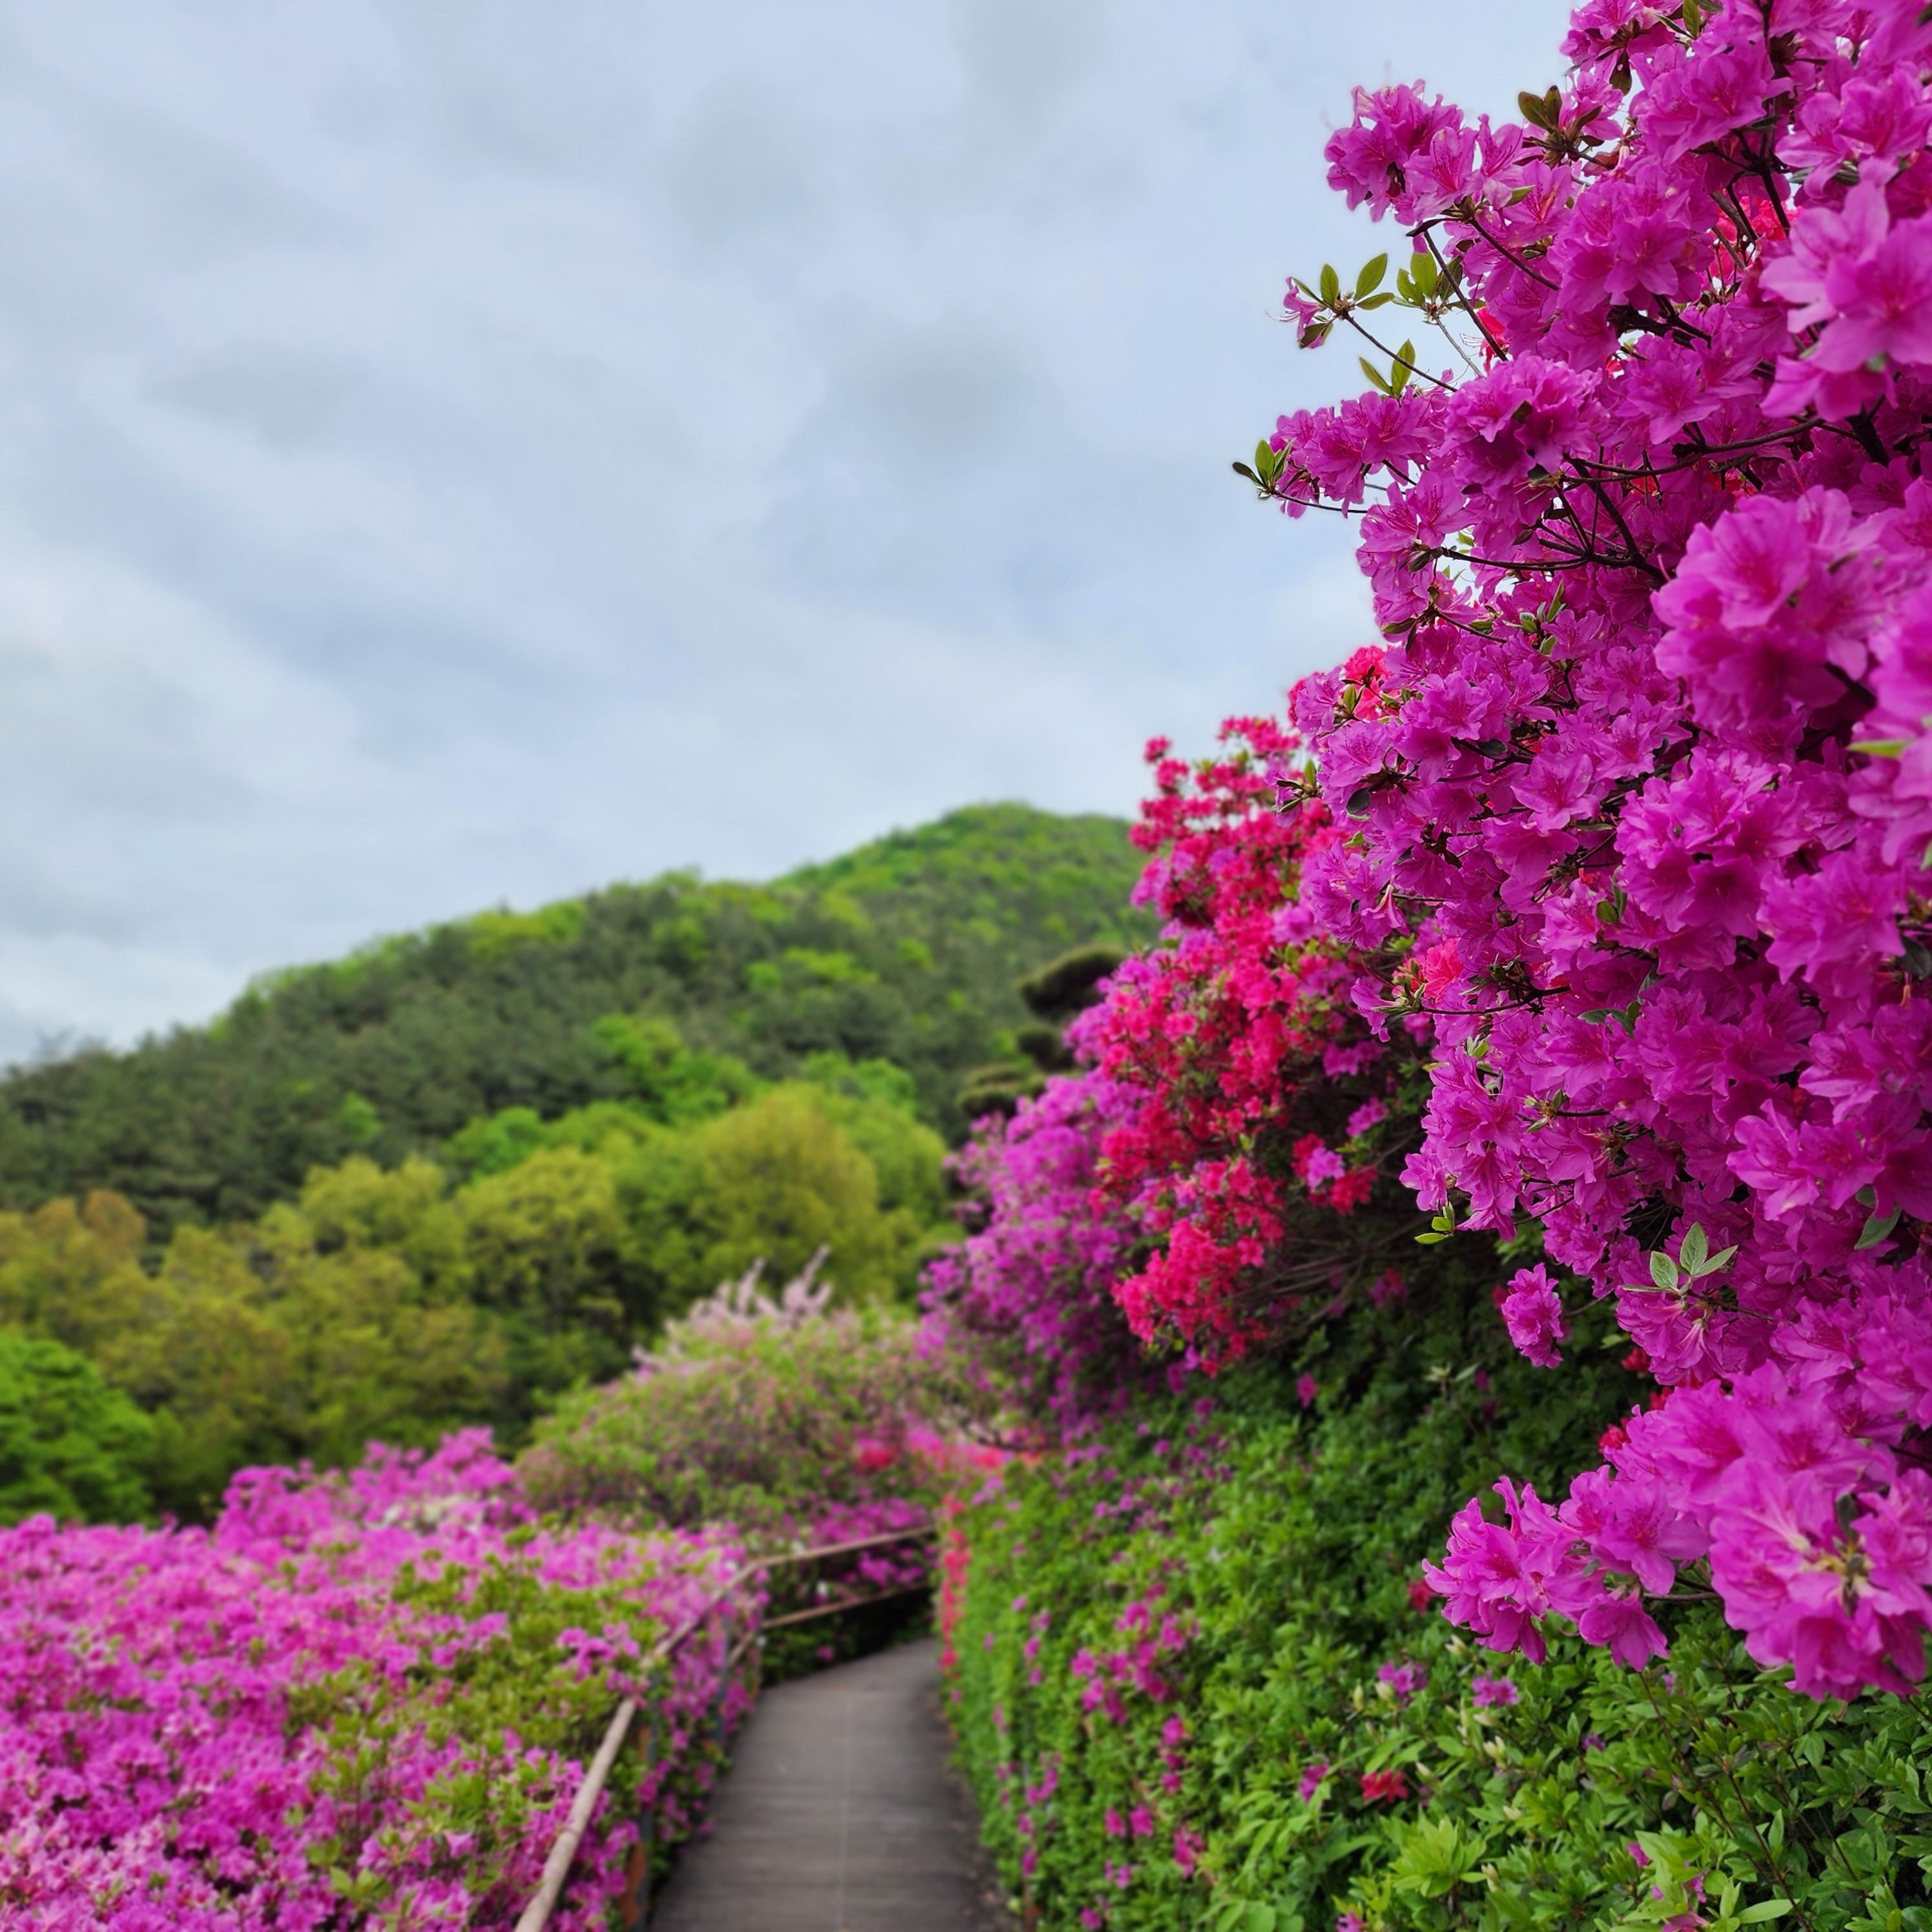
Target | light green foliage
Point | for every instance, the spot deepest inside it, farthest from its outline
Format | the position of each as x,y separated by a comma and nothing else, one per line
876,1104
493,934
776,1181
753,1410
384,1303
69,1445
496,1142
671,1082
1283,1540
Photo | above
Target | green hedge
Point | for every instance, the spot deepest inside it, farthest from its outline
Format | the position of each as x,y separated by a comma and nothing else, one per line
1271,1547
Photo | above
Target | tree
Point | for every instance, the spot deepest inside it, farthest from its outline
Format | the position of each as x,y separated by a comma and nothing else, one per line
774,1182
69,1445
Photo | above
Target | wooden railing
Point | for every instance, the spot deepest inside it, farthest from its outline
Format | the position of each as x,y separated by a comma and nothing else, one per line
636,1905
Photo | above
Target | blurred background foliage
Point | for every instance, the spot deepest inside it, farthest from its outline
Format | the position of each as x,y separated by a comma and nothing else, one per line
905,951
450,1179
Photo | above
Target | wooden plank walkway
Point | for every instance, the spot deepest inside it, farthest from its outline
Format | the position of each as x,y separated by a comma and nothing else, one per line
839,1814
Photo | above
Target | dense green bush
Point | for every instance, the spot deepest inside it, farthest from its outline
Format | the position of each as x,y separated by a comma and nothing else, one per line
69,1444
1176,1652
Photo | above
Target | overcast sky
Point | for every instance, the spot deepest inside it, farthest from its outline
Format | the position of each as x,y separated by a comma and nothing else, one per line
457,453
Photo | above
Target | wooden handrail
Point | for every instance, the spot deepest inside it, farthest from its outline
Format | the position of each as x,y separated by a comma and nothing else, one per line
846,1549
563,1850
847,1604
563,1853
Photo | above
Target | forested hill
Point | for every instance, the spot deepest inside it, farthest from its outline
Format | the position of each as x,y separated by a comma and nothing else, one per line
906,950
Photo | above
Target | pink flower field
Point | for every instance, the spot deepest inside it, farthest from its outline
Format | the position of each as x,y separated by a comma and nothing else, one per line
359,1698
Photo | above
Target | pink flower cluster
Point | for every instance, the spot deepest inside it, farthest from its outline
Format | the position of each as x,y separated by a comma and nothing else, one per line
1638,794
1248,1111
256,1725
1137,1666
1026,1300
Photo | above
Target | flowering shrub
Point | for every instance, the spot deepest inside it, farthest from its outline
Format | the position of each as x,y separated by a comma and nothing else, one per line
1639,790
358,1699
801,1426
1025,1305
1253,1115
1196,1682
766,1412
1221,1172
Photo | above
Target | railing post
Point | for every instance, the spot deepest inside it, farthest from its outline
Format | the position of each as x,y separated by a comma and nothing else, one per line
721,1703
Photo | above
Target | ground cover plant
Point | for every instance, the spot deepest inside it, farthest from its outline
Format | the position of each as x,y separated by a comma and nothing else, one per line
357,1699
1198,1681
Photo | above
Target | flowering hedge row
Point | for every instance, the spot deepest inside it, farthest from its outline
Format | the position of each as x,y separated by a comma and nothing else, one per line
1195,1682
362,1699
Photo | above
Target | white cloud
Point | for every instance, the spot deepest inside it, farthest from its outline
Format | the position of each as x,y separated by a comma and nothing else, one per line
461,452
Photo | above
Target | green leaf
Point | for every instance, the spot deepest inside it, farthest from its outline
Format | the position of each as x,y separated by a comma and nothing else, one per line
1876,1227
1663,1270
1694,1249
1405,367
1879,748
1331,285
1769,1908
1530,106
1242,470
1382,300
1422,275
1370,279
1376,376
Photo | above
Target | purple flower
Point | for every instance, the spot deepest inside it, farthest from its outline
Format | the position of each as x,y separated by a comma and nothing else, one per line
1533,1313
1489,1692
1404,1679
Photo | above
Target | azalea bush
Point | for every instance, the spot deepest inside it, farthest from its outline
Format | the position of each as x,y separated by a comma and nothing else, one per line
765,1411
1636,791
1259,1122
1024,1306
1221,1174
1198,1679
356,1699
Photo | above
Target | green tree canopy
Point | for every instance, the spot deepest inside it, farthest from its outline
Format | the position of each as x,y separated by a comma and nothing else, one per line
69,1443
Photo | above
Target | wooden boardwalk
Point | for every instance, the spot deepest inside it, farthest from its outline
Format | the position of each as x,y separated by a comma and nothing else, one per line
839,1814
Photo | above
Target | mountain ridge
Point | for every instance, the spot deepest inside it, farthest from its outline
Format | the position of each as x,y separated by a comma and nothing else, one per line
903,949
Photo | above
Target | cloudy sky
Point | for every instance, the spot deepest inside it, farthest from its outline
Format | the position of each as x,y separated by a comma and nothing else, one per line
455,453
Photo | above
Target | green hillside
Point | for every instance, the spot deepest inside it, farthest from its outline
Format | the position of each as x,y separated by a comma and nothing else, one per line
905,950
